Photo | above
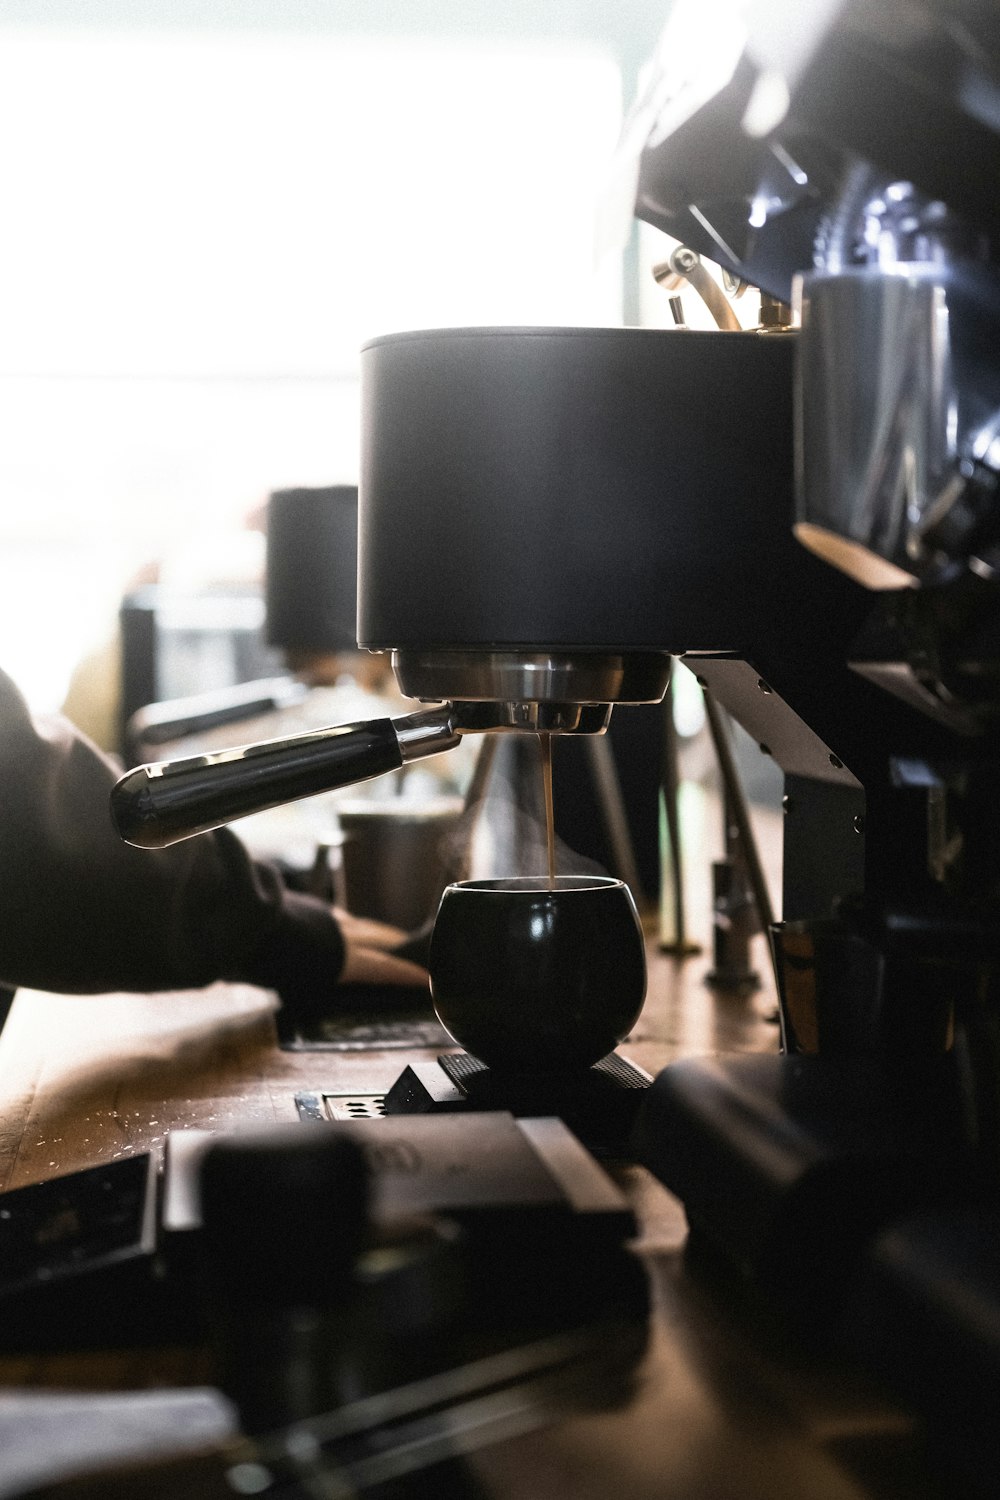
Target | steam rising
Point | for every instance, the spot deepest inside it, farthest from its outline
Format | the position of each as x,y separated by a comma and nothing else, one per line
502,831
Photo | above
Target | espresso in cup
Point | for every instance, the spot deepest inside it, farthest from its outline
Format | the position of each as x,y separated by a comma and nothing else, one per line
530,976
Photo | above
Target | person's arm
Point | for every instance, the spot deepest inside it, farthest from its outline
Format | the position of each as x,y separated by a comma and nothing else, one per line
82,912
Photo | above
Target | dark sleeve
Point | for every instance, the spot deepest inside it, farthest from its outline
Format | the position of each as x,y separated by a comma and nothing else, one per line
82,912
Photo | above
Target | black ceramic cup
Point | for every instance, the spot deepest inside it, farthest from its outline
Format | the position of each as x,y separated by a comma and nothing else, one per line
532,979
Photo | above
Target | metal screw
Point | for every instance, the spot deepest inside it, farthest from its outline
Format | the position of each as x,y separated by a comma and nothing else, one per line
684,260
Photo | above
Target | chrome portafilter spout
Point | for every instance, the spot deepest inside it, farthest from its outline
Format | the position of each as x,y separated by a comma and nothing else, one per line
156,805
534,683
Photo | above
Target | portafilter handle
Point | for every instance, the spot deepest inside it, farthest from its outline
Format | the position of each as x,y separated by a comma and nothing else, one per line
160,804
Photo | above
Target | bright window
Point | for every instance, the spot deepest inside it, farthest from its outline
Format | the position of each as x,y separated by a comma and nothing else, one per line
200,230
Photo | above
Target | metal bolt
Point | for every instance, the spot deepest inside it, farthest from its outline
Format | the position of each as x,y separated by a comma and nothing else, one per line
684,260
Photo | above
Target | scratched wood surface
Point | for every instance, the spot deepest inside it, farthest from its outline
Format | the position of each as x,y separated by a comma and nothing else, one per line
91,1079
86,1079
716,1411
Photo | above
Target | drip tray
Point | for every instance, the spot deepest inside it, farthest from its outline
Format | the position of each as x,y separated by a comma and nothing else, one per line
319,1105
599,1104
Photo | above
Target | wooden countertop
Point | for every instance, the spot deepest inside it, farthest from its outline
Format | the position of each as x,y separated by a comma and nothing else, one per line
85,1079
719,1410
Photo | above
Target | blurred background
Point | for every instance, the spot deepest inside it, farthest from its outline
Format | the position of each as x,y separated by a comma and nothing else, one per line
208,206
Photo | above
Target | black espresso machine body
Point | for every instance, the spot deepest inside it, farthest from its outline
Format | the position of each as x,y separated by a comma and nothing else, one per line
562,493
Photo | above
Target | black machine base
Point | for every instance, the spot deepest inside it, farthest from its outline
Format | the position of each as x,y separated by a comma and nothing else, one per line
598,1104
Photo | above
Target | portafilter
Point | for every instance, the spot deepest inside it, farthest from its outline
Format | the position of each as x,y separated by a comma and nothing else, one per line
540,692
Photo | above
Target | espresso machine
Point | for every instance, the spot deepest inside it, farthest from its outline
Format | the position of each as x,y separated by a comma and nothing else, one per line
808,517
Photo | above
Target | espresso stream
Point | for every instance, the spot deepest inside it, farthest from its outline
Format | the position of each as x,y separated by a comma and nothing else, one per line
545,741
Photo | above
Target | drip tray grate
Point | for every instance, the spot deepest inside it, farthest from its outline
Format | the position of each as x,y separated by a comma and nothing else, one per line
319,1105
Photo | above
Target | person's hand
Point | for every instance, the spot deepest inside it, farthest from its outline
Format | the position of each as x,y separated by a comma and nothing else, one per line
366,956
366,931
